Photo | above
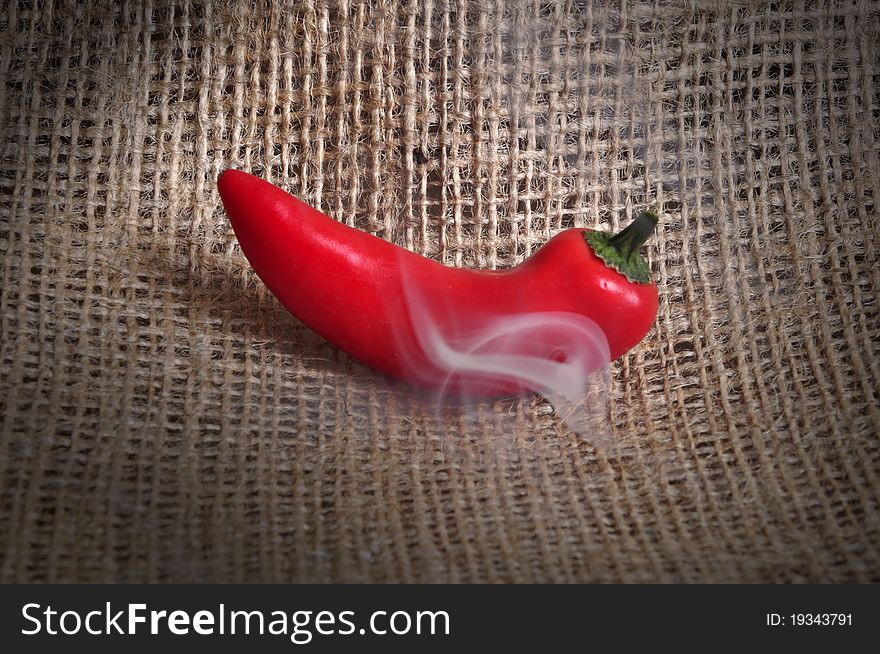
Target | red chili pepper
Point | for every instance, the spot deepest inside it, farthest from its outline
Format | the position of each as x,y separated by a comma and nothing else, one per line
416,320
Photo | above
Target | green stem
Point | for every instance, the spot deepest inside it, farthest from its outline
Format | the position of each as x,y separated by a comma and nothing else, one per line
628,240
621,251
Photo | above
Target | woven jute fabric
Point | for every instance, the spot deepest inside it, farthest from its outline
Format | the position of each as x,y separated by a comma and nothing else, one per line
165,419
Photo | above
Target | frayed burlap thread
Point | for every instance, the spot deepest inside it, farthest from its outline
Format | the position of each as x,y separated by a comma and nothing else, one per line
162,418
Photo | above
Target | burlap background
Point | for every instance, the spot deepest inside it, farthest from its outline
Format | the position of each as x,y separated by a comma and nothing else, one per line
163,418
